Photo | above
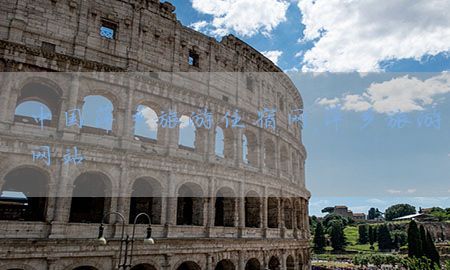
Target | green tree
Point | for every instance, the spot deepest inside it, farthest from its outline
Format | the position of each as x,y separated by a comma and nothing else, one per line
373,213
433,253
363,236
337,237
399,210
319,238
371,237
414,243
328,209
384,238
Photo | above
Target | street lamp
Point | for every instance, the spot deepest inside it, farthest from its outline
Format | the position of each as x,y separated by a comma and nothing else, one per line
125,239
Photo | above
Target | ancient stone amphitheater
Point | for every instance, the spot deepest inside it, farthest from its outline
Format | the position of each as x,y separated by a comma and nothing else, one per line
242,205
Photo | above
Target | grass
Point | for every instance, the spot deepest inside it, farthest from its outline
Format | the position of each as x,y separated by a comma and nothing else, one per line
352,235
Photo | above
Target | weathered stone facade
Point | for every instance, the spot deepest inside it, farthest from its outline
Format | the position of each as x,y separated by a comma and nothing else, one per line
208,212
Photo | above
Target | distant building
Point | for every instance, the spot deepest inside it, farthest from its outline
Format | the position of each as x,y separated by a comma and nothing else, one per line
342,210
359,216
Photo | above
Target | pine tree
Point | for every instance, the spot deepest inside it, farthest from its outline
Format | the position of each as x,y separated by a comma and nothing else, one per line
423,240
337,237
384,238
414,243
319,238
371,237
434,254
363,237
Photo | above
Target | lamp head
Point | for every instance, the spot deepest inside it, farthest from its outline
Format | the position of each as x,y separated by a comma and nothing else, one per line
148,239
101,239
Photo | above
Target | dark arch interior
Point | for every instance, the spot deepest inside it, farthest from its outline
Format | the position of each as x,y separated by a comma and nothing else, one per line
253,264
290,264
189,266
272,212
225,265
145,199
252,212
24,195
189,206
89,201
143,266
224,209
274,263
85,268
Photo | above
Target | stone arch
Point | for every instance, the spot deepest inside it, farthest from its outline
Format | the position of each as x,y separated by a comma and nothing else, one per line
219,146
188,265
253,264
146,197
187,136
143,266
269,154
24,192
190,204
38,102
85,267
145,120
249,148
86,264
287,210
252,210
98,114
274,263
91,198
225,265
284,159
290,263
227,141
273,212
225,206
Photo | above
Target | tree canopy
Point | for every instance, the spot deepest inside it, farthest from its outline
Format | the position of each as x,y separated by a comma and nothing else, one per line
399,210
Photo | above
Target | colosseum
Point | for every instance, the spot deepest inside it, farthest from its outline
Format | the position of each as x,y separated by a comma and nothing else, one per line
217,197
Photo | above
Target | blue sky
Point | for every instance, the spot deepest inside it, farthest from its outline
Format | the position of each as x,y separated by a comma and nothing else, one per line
327,46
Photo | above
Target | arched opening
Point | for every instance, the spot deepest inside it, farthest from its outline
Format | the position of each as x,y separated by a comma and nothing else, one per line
253,264
284,160
97,114
190,205
146,198
252,210
288,214
219,143
290,264
38,103
90,199
189,265
24,195
225,265
269,154
85,268
249,148
143,266
187,133
225,208
274,263
272,212
145,124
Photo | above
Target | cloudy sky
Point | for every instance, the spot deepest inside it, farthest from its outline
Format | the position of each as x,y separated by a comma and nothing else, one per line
374,76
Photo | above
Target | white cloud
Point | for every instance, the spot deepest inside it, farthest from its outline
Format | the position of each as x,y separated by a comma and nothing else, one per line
245,17
199,26
394,191
330,103
299,54
401,94
273,55
376,201
357,35
407,191
149,116
411,191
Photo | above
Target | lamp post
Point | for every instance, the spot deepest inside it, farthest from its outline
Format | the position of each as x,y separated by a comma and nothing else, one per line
125,239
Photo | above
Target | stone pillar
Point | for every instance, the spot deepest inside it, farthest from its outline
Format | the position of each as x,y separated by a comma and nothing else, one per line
63,204
237,144
173,133
123,202
209,263
7,80
69,103
171,210
127,132
241,200
283,259
260,150
264,212
210,153
210,206
241,265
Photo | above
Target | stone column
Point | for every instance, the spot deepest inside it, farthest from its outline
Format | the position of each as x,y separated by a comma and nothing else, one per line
68,104
63,204
210,206
283,259
241,265
171,210
241,209
237,146
209,264
264,212
173,133
260,150
123,201
7,80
